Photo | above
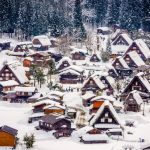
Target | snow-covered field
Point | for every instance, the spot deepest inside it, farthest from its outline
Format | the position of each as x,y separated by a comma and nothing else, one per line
16,115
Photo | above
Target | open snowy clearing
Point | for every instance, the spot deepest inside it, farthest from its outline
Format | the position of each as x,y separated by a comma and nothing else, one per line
16,115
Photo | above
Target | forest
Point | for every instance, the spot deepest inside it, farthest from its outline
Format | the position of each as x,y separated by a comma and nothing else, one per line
57,17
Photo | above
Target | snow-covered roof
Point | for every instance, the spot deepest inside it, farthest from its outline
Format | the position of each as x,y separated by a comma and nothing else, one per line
44,40
55,106
88,95
47,102
95,137
24,89
35,96
97,81
58,93
70,71
74,67
24,43
143,79
123,62
100,111
125,37
136,58
64,59
136,96
4,41
77,50
143,47
19,71
104,97
9,83
104,28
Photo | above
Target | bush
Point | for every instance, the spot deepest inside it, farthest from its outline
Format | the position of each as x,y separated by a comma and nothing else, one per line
29,140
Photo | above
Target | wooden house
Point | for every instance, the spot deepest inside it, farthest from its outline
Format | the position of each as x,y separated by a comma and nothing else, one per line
8,85
106,118
145,69
40,58
121,67
8,136
112,72
54,122
139,83
55,108
78,54
43,102
120,45
14,71
64,63
71,75
103,30
93,84
86,99
95,58
33,98
22,94
133,102
4,45
109,83
41,43
133,60
141,48
98,101
23,47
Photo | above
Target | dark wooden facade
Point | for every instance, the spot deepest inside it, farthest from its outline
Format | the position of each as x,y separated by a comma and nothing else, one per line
95,58
106,117
135,47
24,47
131,104
120,40
78,56
91,85
135,84
107,84
63,65
52,122
40,59
7,74
41,47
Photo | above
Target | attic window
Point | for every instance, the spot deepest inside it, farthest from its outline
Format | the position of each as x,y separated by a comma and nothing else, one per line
109,120
106,114
102,120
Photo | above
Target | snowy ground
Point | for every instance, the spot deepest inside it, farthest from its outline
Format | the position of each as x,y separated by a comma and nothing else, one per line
16,115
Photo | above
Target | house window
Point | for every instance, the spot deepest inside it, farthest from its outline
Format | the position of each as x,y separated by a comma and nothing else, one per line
109,120
106,114
102,120
30,93
138,88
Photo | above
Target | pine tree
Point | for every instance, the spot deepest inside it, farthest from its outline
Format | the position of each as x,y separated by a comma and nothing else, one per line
4,19
145,15
78,24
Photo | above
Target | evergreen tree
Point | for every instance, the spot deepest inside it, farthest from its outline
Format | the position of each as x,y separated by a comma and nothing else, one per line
78,24
145,15
4,19
112,15
29,140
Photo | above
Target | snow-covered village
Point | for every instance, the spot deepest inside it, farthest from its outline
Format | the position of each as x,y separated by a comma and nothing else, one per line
75,74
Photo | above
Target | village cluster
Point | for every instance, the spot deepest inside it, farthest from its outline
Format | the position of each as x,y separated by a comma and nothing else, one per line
108,91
